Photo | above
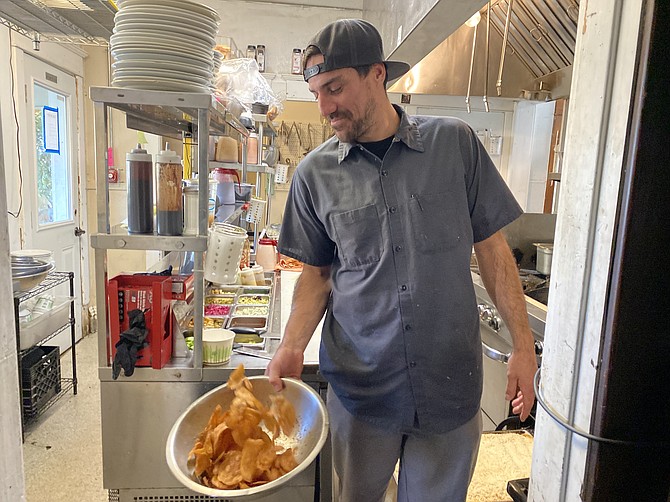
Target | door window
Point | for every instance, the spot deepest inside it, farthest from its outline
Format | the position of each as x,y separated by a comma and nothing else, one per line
54,185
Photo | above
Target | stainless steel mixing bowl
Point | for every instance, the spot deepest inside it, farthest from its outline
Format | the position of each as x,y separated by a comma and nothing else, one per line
307,439
26,278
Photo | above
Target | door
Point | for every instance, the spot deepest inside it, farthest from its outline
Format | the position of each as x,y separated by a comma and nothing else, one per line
50,188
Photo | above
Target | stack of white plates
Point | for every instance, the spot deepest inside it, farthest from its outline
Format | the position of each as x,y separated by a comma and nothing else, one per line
163,45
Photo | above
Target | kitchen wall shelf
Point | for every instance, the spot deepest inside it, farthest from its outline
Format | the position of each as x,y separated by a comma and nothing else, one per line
169,113
251,168
65,384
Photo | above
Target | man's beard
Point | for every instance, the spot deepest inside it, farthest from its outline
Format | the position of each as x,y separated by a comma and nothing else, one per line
358,127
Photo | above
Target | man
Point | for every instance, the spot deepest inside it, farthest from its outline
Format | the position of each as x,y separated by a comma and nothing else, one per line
384,217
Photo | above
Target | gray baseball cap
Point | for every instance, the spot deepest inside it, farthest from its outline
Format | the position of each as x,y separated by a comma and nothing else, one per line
348,43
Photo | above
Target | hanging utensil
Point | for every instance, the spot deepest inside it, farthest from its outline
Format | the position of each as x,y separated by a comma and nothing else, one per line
486,71
510,3
472,64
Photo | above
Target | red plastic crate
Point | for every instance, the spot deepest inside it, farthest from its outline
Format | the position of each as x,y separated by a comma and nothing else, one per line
153,294
182,287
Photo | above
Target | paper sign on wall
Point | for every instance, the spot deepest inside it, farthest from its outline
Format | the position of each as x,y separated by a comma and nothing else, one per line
51,132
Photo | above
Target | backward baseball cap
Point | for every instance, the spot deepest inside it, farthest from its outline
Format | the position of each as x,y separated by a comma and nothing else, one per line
348,43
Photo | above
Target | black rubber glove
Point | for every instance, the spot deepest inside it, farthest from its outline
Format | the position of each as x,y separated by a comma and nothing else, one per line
129,344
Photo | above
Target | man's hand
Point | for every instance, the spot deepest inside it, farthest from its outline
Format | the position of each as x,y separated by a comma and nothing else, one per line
521,369
285,363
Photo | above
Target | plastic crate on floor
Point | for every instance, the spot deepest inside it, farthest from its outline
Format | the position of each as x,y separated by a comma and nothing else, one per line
40,378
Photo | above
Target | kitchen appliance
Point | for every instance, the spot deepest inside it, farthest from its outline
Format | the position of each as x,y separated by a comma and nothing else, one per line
496,348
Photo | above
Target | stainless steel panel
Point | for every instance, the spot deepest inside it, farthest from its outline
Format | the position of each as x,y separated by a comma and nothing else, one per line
155,242
445,70
493,402
288,494
136,420
541,40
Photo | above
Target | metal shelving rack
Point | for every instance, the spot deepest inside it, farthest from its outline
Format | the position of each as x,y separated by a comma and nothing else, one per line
265,128
51,281
168,114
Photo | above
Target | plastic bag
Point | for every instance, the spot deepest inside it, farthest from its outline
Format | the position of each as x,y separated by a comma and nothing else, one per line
239,80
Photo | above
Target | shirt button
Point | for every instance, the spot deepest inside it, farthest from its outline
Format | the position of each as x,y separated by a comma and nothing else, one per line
408,327
412,364
392,209
398,249
385,172
403,287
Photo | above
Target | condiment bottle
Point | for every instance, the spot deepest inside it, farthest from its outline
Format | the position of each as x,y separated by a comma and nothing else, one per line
296,61
170,204
225,188
139,176
191,206
266,254
252,148
247,277
258,274
260,57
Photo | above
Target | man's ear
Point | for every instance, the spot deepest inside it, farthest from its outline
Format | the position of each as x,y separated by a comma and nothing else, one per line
378,71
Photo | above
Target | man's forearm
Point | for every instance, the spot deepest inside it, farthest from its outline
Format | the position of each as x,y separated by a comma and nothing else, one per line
501,279
310,299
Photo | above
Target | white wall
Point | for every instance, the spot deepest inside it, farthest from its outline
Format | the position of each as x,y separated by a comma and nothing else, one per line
11,458
498,121
279,26
595,142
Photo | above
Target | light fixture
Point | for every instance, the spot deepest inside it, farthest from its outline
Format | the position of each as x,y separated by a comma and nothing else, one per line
474,20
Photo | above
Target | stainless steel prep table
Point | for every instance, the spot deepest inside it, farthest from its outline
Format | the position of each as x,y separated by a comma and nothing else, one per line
138,413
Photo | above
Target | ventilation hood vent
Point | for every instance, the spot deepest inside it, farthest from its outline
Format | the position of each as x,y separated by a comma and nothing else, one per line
537,63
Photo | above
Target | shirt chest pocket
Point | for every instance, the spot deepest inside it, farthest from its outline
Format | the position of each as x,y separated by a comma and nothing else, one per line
358,236
439,222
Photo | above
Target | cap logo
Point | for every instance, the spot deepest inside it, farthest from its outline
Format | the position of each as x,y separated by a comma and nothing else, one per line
313,70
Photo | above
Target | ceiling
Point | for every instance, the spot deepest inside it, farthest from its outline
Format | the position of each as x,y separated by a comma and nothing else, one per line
88,22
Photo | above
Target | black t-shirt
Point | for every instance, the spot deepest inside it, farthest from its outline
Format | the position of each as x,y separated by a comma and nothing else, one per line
379,148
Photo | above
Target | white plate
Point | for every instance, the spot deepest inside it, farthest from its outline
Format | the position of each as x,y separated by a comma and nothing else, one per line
148,73
121,52
154,13
158,28
176,5
158,65
159,84
140,55
158,41
169,40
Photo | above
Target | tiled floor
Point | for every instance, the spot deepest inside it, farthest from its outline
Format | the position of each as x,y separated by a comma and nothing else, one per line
62,452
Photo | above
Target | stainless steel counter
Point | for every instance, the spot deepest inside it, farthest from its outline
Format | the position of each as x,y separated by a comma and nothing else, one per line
138,413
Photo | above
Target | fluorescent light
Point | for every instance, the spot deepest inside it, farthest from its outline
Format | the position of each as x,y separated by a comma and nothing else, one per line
474,20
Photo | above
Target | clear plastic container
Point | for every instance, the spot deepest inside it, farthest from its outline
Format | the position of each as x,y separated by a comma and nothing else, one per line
266,254
191,206
170,203
247,277
139,177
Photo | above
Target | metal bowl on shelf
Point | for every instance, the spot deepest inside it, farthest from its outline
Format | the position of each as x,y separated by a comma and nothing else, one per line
26,277
307,439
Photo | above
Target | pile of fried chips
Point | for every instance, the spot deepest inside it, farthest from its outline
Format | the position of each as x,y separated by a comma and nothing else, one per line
233,451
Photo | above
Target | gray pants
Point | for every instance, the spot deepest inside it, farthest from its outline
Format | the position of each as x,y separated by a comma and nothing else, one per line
433,468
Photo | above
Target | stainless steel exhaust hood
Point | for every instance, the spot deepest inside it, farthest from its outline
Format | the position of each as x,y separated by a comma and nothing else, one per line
538,57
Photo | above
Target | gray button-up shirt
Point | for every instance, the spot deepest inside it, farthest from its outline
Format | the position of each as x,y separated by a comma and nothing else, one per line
400,344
